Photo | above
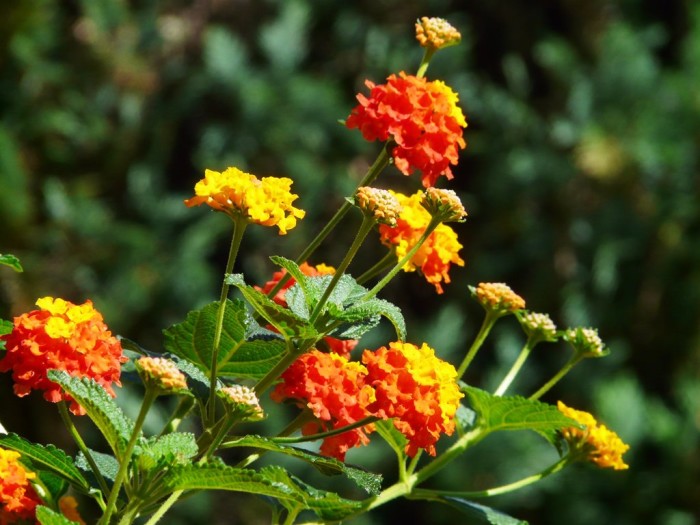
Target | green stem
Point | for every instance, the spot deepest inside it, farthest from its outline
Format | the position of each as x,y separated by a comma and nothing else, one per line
489,320
425,61
556,377
382,265
495,491
434,222
366,226
239,227
266,381
165,507
414,462
63,411
322,435
517,365
148,399
381,162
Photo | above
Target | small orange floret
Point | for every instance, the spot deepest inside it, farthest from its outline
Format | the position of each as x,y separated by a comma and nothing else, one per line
417,389
423,119
335,391
62,336
18,499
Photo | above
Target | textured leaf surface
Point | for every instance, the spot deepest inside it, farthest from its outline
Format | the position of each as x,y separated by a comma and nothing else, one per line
374,308
497,413
369,481
100,407
240,355
176,448
46,456
46,516
106,464
10,260
482,513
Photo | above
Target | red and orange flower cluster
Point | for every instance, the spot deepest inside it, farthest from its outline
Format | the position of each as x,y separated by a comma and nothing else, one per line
401,381
62,336
420,116
18,499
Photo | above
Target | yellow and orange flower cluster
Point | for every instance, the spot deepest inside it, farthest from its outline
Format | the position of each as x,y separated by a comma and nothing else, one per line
421,116
404,382
336,392
18,499
435,257
417,389
267,201
342,347
62,336
596,442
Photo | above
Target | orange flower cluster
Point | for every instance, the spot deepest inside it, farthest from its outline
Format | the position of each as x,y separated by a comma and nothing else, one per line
404,382
342,347
437,253
62,336
423,119
18,499
596,442
336,392
417,389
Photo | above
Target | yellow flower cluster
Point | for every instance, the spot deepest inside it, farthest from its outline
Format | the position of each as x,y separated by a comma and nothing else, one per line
436,33
266,201
65,316
599,444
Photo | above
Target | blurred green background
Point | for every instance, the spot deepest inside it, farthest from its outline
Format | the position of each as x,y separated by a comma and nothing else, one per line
580,177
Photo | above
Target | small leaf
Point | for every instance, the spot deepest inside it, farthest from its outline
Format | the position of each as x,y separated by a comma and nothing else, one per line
176,448
5,328
481,512
395,439
100,407
366,310
10,260
55,486
46,516
106,464
48,457
293,269
369,481
497,413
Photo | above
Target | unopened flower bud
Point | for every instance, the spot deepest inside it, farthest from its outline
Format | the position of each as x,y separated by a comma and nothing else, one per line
243,400
436,33
444,204
538,327
497,298
379,204
161,373
586,342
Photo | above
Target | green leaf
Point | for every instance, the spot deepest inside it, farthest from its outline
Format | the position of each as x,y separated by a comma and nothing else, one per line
481,512
293,269
100,407
55,486
369,481
368,310
106,464
245,351
46,516
10,260
6,327
47,457
395,439
176,448
284,320
497,413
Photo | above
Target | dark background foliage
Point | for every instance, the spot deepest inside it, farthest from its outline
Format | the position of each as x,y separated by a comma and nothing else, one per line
581,179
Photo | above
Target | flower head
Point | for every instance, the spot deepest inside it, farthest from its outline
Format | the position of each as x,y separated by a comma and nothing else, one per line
162,374
69,508
382,205
62,336
18,499
243,400
444,204
336,392
423,119
339,346
498,298
266,201
539,327
417,389
595,443
435,257
586,342
436,33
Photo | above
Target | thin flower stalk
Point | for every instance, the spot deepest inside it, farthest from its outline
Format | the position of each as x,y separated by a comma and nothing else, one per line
515,369
572,362
486,326
330,433
384,264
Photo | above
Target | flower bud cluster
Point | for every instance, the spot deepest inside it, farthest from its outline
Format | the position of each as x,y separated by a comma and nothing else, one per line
382,205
